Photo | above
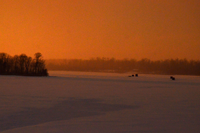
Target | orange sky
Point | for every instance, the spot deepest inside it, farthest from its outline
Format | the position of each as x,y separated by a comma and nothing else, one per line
155,29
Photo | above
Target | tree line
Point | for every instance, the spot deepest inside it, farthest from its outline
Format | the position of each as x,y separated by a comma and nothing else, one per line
22,65
146,66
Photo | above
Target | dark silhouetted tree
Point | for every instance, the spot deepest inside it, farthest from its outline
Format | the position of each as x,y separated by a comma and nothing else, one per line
22,65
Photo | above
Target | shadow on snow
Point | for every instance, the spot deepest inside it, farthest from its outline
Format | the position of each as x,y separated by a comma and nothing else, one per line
62,111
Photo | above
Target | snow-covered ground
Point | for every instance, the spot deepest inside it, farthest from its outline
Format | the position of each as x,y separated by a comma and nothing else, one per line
82,102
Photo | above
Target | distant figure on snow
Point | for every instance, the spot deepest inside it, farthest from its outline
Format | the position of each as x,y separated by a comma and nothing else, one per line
136,75
172,78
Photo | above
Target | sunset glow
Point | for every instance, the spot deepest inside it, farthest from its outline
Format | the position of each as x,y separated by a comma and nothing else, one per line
155,29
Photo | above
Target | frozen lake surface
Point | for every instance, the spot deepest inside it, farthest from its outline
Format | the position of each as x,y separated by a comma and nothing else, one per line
72,102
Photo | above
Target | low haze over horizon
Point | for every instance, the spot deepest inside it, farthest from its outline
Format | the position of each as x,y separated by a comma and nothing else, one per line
59,29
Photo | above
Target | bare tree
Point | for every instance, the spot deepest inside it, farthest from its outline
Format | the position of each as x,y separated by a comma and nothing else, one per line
22,65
